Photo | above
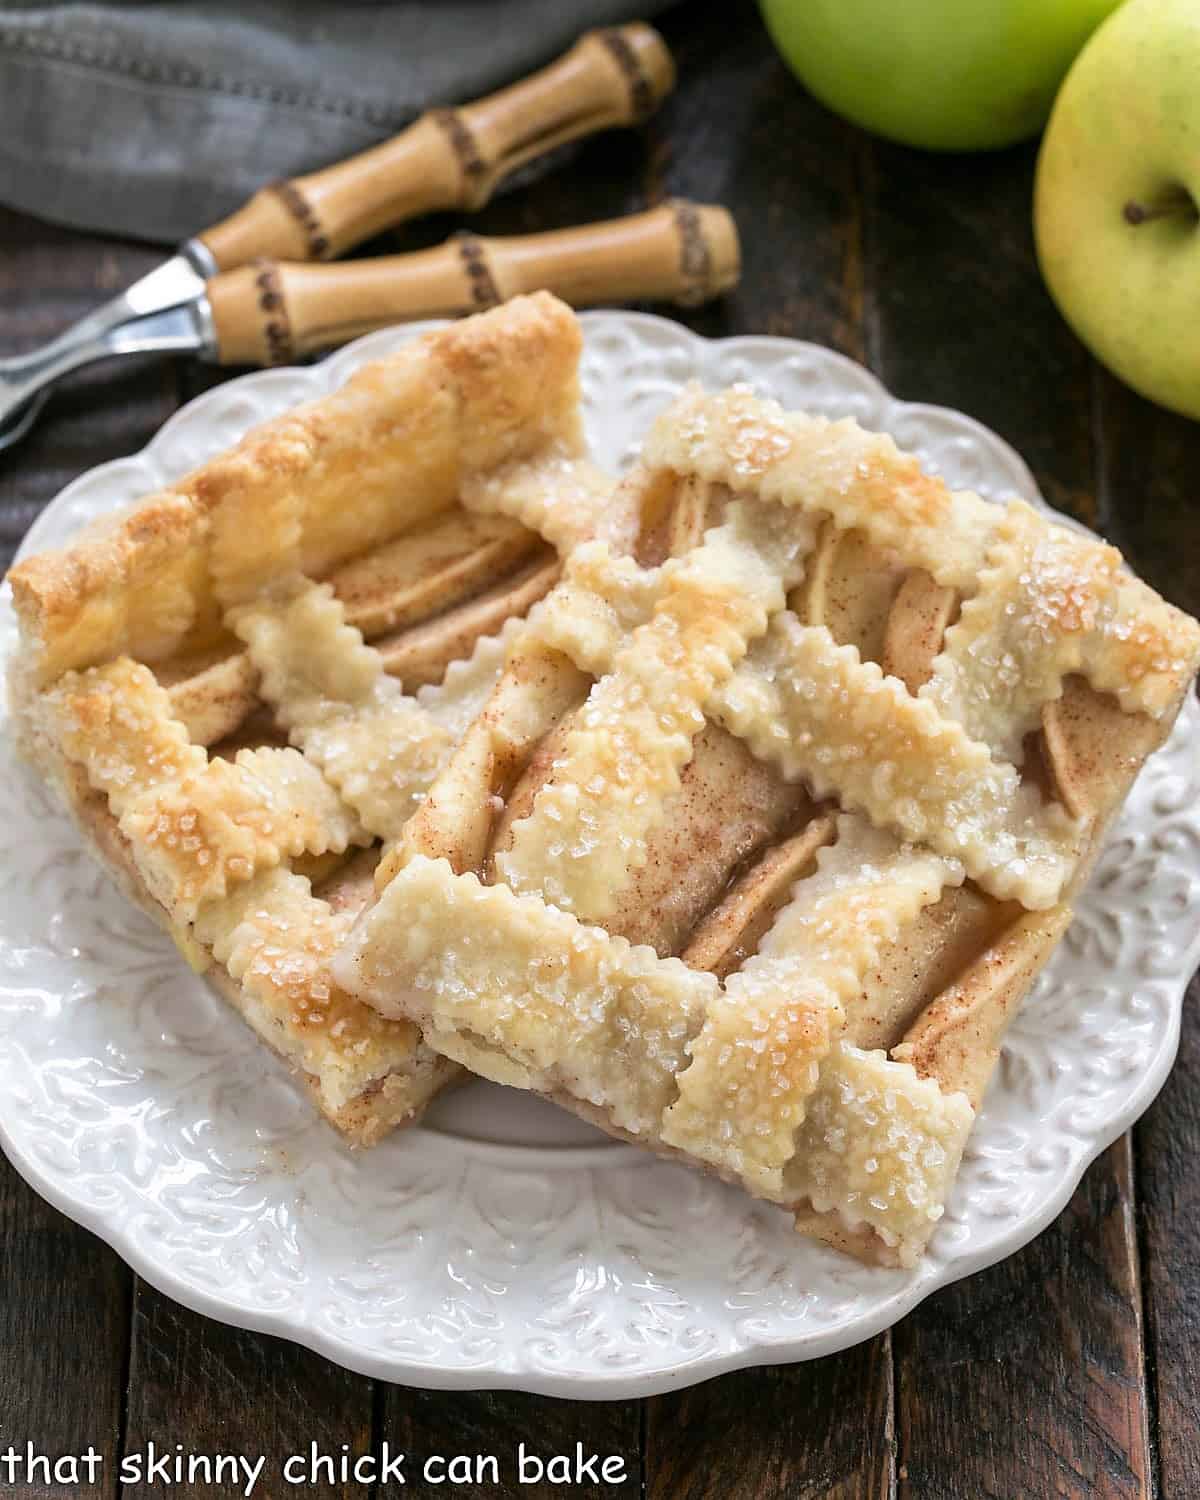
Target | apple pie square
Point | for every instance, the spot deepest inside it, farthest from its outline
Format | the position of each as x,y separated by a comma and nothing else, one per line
768,824
243,687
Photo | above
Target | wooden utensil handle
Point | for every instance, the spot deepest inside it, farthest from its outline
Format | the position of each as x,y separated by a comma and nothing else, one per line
271,312
452,158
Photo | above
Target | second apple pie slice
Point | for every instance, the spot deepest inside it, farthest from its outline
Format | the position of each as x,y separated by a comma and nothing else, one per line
753,852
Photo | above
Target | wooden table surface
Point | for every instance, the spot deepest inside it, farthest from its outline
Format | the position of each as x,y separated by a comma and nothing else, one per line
1071,1368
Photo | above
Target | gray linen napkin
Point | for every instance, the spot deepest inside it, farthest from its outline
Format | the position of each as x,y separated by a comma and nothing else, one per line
156,120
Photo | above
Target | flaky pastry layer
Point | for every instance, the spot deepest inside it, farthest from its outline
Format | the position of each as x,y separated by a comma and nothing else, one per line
199,616
397,444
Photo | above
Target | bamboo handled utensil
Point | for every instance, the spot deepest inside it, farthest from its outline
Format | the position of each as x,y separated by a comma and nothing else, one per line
272,312
450,158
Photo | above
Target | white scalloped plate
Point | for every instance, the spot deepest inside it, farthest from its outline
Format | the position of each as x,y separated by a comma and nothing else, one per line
504,1244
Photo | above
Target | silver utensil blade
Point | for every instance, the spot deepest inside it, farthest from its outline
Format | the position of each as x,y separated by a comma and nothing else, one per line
166,311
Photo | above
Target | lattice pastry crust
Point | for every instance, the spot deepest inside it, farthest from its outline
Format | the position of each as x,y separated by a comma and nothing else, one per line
196,677
754,850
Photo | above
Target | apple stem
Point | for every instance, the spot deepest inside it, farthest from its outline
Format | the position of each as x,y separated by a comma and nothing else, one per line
1176,202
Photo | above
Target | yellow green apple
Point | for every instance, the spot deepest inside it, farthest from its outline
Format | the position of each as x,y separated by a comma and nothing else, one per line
1115,201
958,75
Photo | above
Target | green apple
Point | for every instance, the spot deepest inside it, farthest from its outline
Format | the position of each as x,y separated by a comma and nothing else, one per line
1115,202
956,75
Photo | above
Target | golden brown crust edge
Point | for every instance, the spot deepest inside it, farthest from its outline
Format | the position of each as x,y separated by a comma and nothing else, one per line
387,1104
139,583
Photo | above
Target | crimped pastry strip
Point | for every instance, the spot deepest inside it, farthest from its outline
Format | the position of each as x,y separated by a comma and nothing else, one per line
586,833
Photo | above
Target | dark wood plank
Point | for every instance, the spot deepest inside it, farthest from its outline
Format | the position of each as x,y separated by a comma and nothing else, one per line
1149,460
1149,463
494,1423
817,1431
740,131
961,317
1028,1378
1167,1143
64,1326
217,1390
